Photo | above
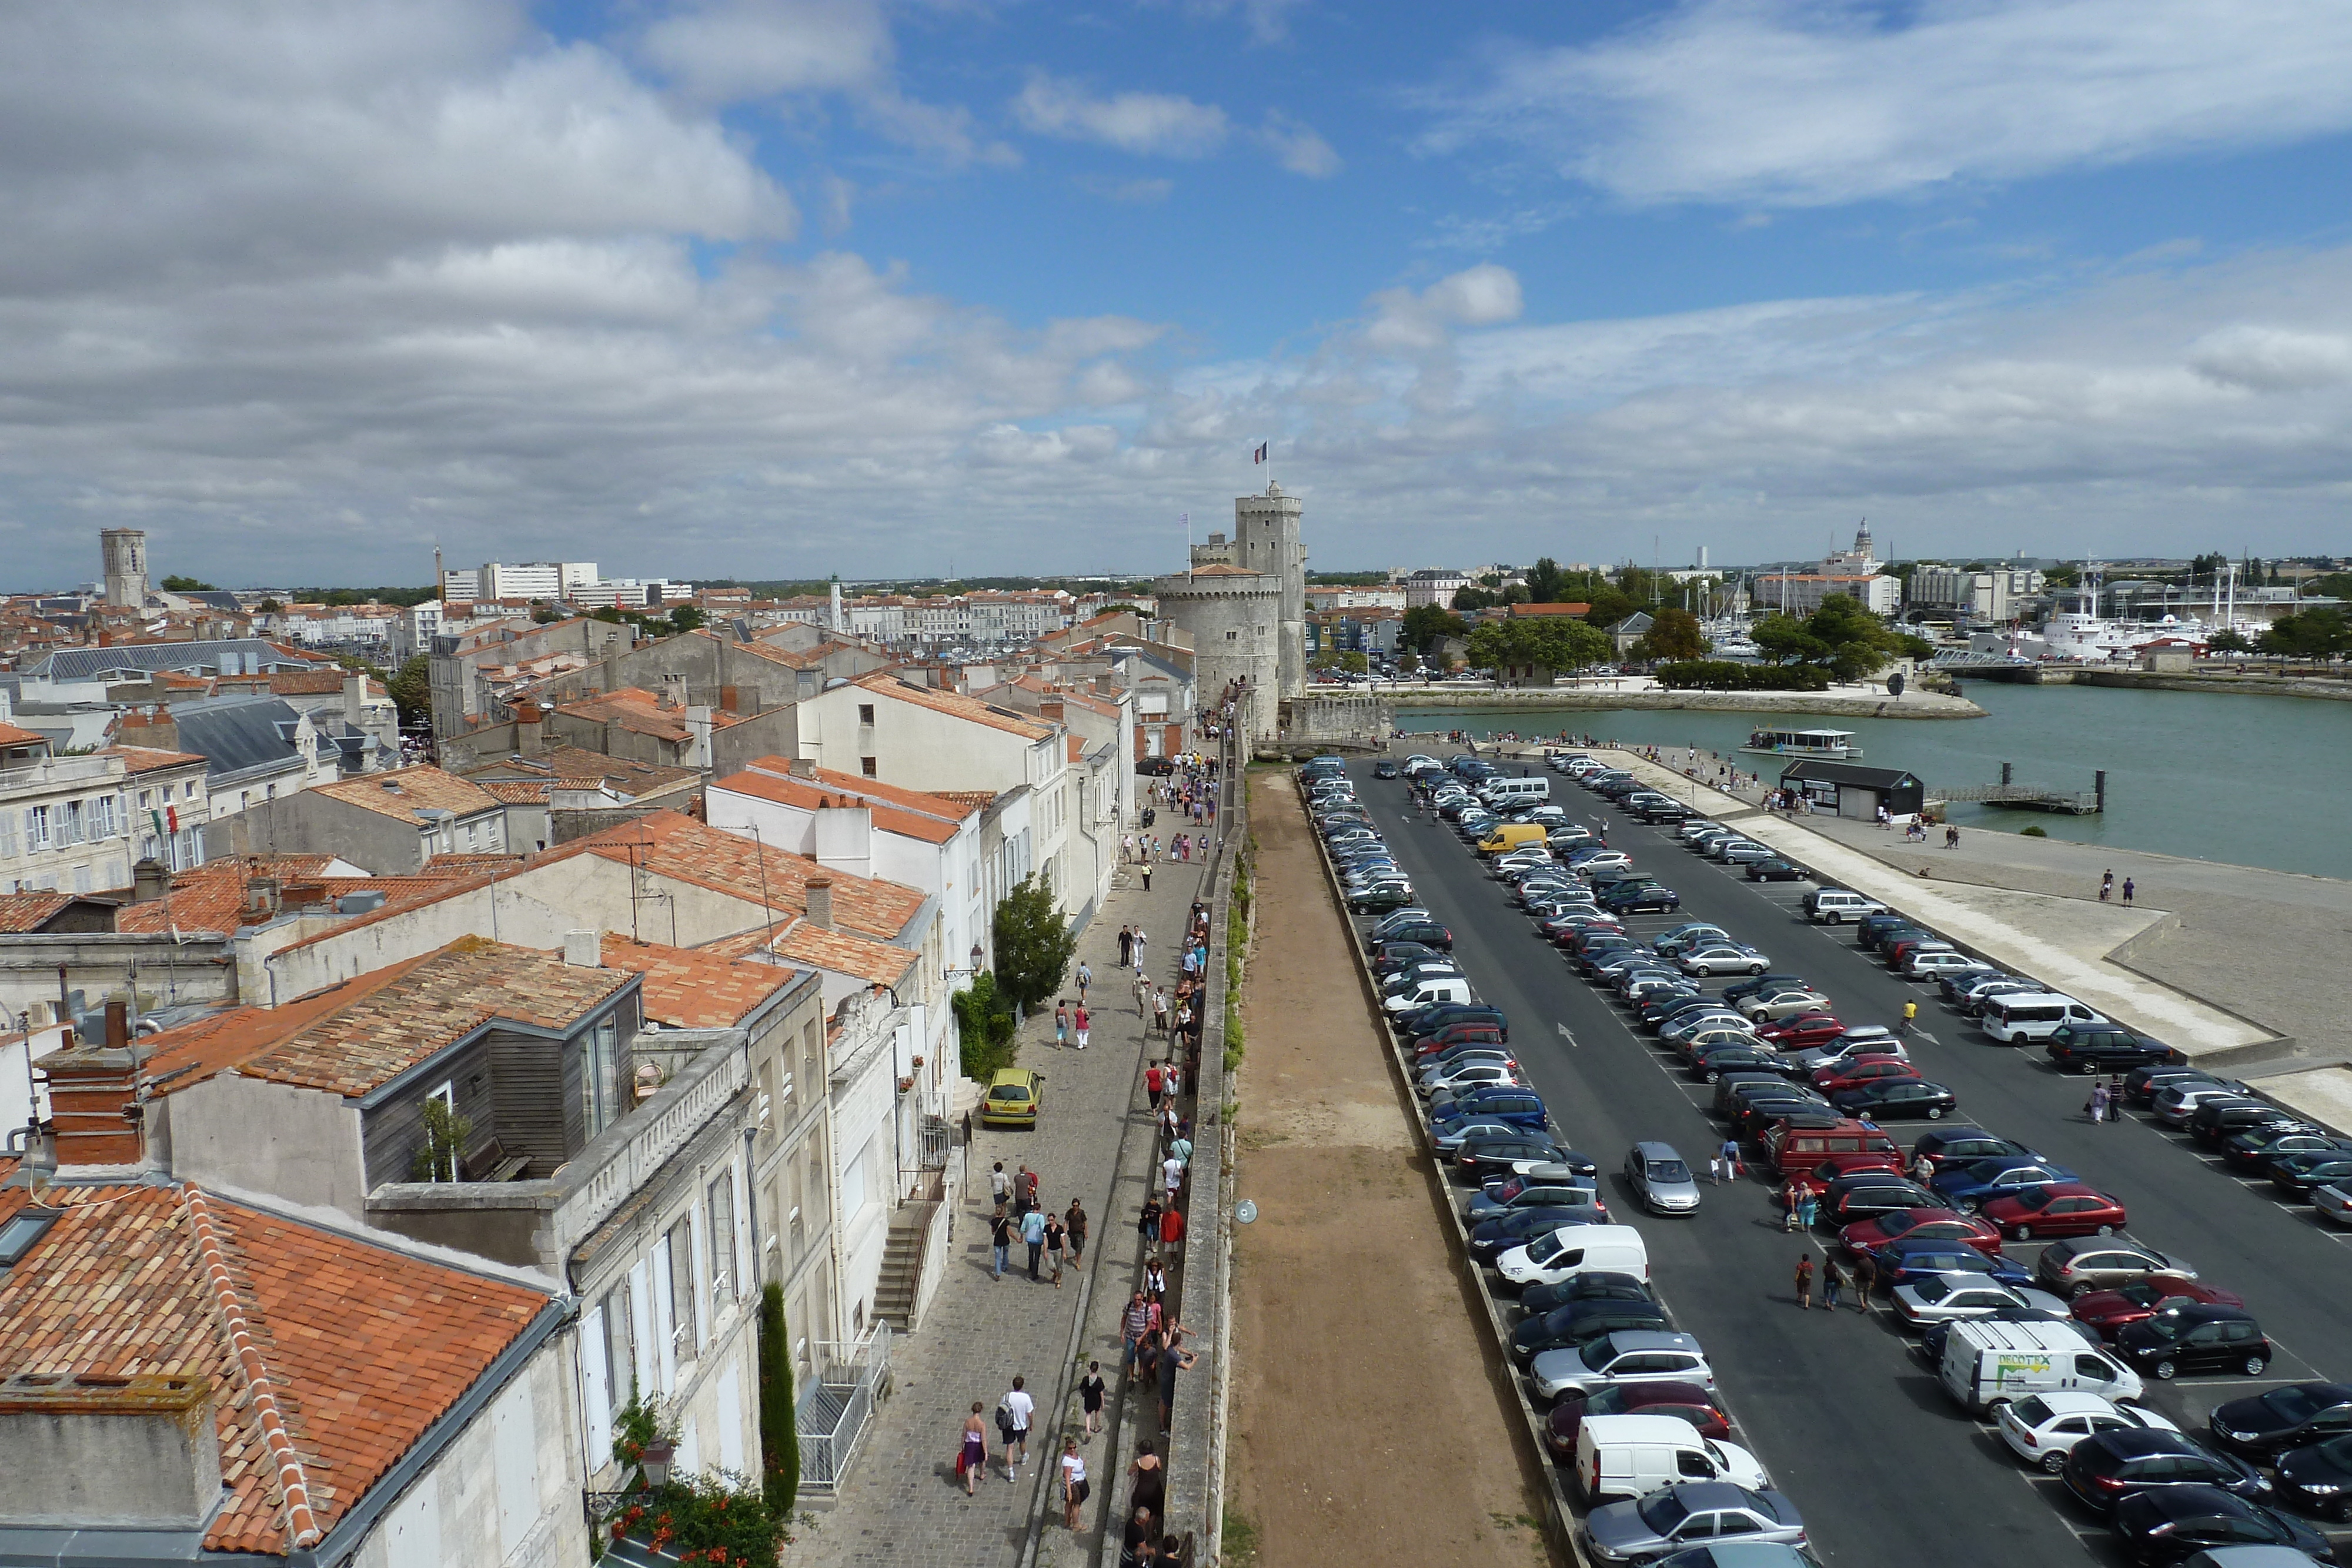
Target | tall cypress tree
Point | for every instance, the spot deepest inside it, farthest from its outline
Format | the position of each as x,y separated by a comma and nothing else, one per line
780,1435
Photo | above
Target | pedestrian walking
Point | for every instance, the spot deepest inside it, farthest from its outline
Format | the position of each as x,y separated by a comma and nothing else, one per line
1081,1020
1090,1396
1000,1185
2128,893
1179,1148
1139,1543
1126,947
1172,1227
2097,1105
1729,1155
1910,1013
1808,1209
1033,1231
2106,886
1791,1202
1172,1175
1173,1360
1018,1409
1000,1234
1074,1226
1833,1281
1132,1327
1147,876
1805,1282
1146,1223
1024,1190
1074,1482
1155,1078
1140,939
1061,1023
1147,1486
973,1457
1086,979
1865,1279
1056,1236
1923,1170
1160,1010
1171,1079
1155,1277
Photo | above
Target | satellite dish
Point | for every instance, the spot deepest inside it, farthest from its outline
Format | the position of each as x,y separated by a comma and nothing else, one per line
1244,1211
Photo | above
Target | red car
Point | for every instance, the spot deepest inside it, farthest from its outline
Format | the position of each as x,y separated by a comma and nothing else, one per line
1687,1400
1817,1180
1802,1032
2057,1209
1861,1069
1927,1224
2108,1311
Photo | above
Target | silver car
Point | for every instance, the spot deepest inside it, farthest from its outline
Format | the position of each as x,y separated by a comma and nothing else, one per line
1629,1355
1950,1298
1642,1529
1661,1178
1724,958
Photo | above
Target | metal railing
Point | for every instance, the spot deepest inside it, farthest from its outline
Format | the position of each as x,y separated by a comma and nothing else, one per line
933,1141
838,1404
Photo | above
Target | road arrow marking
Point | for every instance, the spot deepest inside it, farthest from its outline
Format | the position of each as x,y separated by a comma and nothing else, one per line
1566,1036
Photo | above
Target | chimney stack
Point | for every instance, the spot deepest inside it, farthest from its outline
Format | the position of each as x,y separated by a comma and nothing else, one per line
355,700
803,768
584,949
149,880
820,901
110,1452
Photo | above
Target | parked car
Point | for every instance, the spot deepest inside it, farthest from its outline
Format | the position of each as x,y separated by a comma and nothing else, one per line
2203,1338
2089,1051
1496,1237
2306,1174
1726,1050
1661,1179
1855,1072
1786,1002
2210,1525
1633,1355
1869,1193
2266,1425
1963,1294
1908,1259
1701,1408
2319,1478
1381,896
2042,1429
1921,1224
1893,1098
2105,1311
1964,1187
1593,1285
1965,1145
2103,1471
1632,900
2083,1267
1722,958
1579,1324
1641,1530
1772,868
2054,1208
1502,1149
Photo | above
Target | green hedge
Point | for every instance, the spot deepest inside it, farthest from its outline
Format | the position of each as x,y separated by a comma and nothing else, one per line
1723,675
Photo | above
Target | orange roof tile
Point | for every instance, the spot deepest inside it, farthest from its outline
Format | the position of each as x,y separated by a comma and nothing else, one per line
640,712
844,953
670,844
11,735
21,911
934,819
689,989
329,1357
406,791
138,759
883,684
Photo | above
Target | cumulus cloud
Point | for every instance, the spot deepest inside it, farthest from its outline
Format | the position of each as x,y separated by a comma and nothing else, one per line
1297,148
1160,124
728,52
1408,322
1765,102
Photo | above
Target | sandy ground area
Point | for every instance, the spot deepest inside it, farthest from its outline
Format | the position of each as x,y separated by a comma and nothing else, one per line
1370,1423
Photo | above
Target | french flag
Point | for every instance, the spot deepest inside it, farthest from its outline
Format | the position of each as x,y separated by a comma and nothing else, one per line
1259,455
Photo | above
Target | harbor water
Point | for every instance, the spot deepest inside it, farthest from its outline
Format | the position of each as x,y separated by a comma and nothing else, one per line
2251,780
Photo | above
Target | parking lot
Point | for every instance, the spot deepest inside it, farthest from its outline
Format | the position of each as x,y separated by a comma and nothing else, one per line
1850,1424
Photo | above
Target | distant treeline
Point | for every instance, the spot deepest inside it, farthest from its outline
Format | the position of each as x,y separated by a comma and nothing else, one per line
1723,675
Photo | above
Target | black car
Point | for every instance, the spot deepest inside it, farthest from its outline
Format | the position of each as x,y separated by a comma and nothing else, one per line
1491,1240
1886,1098
1597,1286
2257,1149
1627,900
1429,1020
2298,1174
2167,1525
2197,1338
2266,1425
2319,1478
1385,768
2088,1051
1774,870
1578,1323
2107,1466
1712,1064
1874,931
1866,1195
2217,1122
2141,1085
1379,898
1392,956
1666,813
1962,1145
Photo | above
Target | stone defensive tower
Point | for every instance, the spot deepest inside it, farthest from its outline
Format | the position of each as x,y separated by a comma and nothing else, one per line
1266,540
1234,616
124,552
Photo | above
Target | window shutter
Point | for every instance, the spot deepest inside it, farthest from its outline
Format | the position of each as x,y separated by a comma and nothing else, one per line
591,1350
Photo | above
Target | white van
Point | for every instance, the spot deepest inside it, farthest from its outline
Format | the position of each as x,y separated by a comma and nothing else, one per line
1429,992
1632,1456
1575,1249
1986,1363
1504,794
2024,1017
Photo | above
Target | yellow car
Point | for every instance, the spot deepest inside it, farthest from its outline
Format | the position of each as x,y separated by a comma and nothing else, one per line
1013,1096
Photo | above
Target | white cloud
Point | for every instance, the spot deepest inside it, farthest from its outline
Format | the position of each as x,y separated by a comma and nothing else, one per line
739,50
1297,148
2269,360
1762,102
1155,123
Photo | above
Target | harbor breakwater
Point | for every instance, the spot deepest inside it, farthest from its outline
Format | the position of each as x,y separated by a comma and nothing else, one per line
1825,705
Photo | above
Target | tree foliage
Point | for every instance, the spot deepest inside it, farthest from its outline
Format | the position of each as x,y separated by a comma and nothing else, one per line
985,1026
1724,675
1841,637
780,1434
1547,583
187,585
2317,634
1547,643
1425,623
412,690
1674,634
1033,943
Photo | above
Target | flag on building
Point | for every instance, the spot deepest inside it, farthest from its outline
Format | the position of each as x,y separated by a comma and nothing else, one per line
1258,456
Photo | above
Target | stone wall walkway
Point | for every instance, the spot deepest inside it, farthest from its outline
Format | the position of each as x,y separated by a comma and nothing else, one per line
902,1503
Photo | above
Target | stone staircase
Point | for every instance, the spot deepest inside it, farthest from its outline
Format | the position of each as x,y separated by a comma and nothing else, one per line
902,1265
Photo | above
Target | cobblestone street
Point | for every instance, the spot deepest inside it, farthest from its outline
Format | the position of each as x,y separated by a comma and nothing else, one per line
902,1503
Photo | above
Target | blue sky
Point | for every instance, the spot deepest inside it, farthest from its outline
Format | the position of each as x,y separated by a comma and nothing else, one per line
780,288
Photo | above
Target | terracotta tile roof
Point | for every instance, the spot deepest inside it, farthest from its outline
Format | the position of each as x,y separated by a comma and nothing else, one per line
844,953
640,712
459,864
518,792
211,897
978,800
670,844
329,1357
1219,568
910,813
11,735
21,911
1521,612
686,988
138,759
348,1039
315,683
576,768
883,684
403,793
